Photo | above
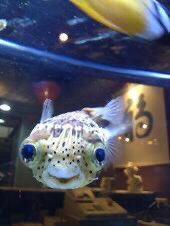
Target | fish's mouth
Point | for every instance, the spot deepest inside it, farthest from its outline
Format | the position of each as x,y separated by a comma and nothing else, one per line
64,180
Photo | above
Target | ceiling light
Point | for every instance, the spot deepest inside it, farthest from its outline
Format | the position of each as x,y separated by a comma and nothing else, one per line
1,121
63,37
5,107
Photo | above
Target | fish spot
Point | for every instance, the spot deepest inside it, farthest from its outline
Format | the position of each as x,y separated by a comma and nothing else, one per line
70,163
78,151
66,149
90,172
53,165
73,147
55,152
42,167
68,155
73,132
53,143
63,144
74,142
38,168
40,177
74,153
58,161
86,164
78,161
73,160
49,160
63,152
63,159
48,146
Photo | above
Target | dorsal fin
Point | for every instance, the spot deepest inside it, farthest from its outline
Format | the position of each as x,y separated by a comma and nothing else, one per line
47,111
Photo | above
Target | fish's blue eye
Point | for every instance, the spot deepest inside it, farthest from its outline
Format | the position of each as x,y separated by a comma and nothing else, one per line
28,152
100,155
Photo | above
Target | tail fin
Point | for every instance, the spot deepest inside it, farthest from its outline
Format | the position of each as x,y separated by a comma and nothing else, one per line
157,20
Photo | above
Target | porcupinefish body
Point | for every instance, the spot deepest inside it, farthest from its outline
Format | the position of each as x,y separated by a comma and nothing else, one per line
68,151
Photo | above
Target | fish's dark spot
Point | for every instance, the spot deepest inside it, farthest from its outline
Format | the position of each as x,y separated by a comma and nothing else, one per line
62,151
38,168
73,160
82,146
58,161
53,143
40,177
63,159
48,146
78,160
78,151
73,147
49,160
86,164
70,163
46,126
78,134
42,167
68,155
55,152
90,172
66,149
74,142
78,142
63,144
73,132
53,165
74,153
92,125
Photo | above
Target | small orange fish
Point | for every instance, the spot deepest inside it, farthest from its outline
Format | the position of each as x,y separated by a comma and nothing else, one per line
68,151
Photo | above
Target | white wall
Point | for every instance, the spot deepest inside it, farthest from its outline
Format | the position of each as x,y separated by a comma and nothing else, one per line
151,149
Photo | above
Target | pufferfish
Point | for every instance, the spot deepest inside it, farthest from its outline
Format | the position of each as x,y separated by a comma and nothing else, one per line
147,19
69,150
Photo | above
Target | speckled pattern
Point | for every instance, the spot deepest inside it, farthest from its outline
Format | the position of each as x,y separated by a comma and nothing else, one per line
66,142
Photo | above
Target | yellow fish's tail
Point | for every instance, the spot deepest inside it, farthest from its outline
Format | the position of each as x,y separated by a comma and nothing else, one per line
143,18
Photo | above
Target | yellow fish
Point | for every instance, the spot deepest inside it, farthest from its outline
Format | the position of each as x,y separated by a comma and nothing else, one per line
143,18
69,150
